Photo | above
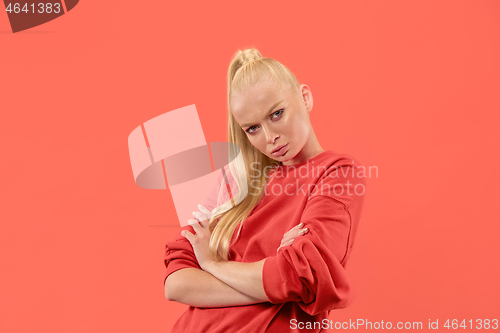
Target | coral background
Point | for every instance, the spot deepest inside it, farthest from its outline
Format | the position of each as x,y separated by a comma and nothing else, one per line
411,87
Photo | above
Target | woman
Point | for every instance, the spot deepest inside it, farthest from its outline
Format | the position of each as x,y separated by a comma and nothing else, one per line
284,270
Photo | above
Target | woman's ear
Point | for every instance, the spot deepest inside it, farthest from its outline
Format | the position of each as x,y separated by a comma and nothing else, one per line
306,97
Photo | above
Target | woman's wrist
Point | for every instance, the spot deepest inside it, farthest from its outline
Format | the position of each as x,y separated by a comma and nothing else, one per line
209,266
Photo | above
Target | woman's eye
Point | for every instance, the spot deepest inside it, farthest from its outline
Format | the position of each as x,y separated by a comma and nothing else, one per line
274,115
249,130
278,113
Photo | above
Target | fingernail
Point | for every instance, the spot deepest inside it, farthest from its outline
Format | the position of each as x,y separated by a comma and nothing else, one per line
291,241
301,224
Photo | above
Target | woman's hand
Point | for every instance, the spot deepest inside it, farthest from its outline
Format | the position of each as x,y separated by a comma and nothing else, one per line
201,239
293,233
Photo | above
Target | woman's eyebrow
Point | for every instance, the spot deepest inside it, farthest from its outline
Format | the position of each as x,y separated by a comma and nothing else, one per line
271,109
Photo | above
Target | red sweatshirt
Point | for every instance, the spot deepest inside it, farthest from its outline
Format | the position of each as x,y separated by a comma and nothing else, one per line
305,280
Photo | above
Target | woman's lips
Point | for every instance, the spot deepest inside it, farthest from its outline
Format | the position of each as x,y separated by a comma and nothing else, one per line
281,151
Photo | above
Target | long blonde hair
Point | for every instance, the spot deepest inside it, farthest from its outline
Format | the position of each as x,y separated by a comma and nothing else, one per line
246,68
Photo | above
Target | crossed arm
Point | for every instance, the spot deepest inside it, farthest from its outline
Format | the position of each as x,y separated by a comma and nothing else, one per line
229,283
219,283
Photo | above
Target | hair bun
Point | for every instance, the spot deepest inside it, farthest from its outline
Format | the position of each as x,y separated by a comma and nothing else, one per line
249,55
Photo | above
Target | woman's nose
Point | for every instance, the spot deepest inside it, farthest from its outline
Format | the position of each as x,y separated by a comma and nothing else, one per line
270,136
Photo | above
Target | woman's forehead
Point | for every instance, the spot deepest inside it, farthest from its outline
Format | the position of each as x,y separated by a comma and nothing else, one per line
258,95
257,104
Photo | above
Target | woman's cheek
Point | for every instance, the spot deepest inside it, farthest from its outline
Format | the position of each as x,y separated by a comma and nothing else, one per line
256,141
301,131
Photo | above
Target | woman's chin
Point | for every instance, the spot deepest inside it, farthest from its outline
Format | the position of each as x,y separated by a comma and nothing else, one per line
288,156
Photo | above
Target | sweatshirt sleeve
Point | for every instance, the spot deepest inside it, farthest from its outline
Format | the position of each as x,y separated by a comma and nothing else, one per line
179,254
311,271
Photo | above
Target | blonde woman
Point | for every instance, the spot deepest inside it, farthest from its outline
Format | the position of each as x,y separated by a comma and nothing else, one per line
275,262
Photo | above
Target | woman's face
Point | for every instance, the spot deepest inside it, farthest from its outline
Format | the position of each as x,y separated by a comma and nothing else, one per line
272,118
